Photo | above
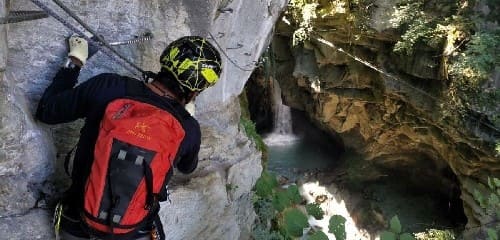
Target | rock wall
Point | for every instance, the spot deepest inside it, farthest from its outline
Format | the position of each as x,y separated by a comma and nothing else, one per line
212,203
384,105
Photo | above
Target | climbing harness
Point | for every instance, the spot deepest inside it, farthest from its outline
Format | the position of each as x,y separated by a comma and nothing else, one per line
95,39
57,219
21,16
368,64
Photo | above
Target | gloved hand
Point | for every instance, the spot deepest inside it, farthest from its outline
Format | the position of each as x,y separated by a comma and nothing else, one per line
78,49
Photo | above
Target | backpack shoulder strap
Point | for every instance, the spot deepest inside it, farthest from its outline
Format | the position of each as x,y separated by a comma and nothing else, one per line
133,91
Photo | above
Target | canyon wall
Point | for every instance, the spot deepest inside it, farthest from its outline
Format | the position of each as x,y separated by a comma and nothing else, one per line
387,106
202,205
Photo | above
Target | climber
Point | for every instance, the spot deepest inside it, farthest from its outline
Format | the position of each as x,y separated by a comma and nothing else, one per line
188,66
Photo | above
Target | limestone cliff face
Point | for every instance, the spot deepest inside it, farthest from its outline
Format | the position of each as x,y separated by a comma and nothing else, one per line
202,205
389,113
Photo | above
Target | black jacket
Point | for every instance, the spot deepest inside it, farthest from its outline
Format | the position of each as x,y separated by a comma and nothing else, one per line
63,102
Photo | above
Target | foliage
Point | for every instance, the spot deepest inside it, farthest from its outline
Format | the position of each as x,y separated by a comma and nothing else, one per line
470,51
294,222
314,209
304,12
261,233
279,215
395,231
264,210
490,201
488,198
318,236
266,184
293,194
418,26
337,227
435,234
281,200
471,70
249,126
286,198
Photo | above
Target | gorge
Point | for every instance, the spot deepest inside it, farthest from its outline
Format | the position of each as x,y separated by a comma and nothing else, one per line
390,116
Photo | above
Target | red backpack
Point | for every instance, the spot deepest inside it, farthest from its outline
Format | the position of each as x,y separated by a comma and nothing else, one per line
135,149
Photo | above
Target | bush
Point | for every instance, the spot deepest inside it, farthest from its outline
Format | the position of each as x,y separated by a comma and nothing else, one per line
294,222
279,216
337,227
266,184
318,236
435,234
315,210
395,231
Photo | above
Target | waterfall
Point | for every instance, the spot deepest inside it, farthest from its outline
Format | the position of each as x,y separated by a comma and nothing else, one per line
282,130
282,113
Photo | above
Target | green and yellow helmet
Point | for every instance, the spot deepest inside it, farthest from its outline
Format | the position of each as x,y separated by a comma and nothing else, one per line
193,62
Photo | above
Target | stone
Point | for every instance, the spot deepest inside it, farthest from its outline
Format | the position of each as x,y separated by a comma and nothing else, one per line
31,153
386,107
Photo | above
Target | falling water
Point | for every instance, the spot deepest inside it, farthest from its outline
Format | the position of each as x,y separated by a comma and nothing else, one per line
296,146
282,133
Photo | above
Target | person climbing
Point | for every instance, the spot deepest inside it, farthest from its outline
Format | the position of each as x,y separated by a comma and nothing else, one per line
134,134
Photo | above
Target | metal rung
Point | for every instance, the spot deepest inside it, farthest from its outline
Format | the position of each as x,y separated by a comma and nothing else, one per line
22,16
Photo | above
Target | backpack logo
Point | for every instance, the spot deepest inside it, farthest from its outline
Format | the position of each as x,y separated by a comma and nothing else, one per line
140,130
133,155
142,127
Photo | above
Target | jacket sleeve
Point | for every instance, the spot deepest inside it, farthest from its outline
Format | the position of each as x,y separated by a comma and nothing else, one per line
61,102
190,147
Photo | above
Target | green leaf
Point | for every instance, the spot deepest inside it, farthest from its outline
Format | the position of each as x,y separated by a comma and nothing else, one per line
497,182
406,236
479,198
492,234
395,225
294,222
337,227
491,184
385,235
318,236
493,200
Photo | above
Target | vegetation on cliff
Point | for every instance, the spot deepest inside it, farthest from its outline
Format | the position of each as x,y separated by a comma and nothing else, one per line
462,38
463,32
